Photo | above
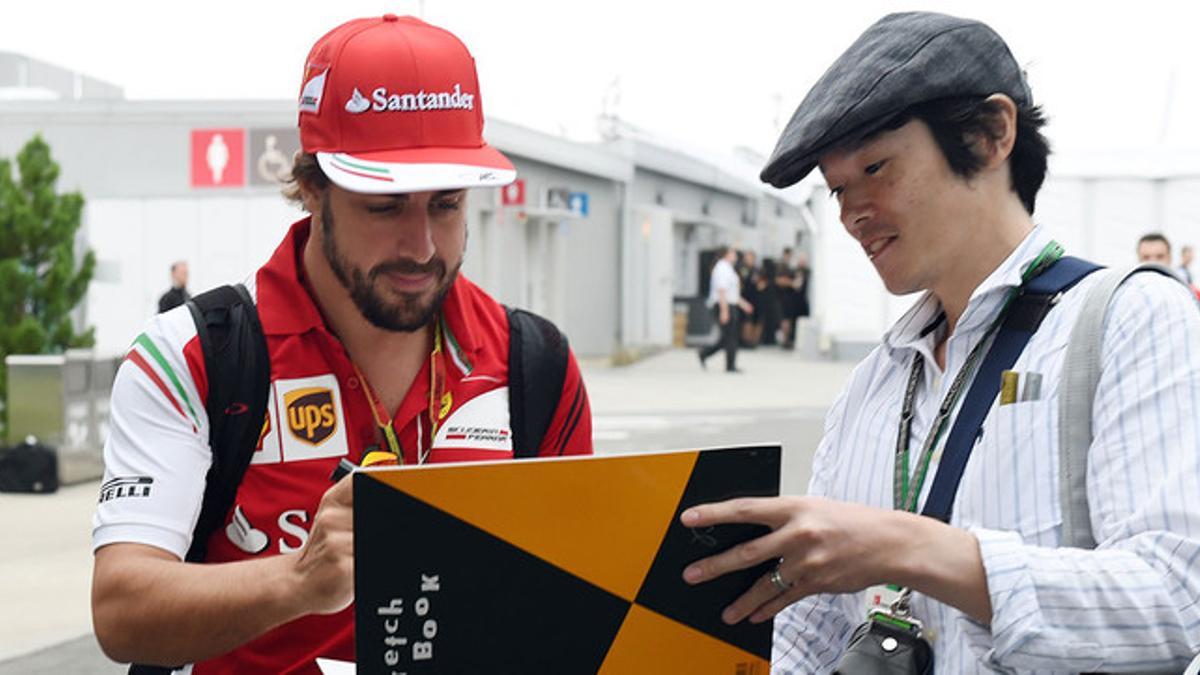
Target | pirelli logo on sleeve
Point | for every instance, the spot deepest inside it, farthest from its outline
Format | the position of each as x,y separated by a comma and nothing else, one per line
125,486
303,421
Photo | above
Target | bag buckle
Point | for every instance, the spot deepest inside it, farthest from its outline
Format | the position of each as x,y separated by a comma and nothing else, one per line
898,615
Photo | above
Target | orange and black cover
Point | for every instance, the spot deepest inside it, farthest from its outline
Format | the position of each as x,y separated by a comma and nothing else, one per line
557,566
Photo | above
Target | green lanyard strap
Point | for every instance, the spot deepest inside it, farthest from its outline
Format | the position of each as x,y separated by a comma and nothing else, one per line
905,493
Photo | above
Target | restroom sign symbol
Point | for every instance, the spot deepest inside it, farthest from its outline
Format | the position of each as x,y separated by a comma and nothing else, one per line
218,158
513,194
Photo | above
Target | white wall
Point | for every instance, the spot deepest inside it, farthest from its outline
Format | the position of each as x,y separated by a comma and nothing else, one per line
1098,218
1102,218
648,275
223,239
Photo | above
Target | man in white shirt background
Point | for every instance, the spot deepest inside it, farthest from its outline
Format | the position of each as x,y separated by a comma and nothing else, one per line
927,134
725,299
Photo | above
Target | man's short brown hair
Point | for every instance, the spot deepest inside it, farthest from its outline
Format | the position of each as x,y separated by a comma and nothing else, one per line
1155,237
305,171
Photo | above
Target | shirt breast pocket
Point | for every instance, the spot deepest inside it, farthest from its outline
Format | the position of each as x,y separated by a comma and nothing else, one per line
1011,480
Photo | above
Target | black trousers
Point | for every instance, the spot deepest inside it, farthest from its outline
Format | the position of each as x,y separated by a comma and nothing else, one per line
729,337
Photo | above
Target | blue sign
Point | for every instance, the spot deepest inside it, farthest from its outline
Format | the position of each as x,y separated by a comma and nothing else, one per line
578,203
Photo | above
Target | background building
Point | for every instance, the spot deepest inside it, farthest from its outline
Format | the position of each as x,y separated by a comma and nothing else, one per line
610,240
601,238
1096,204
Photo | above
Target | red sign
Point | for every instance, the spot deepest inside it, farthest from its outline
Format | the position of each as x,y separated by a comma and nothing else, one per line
218,157
513,194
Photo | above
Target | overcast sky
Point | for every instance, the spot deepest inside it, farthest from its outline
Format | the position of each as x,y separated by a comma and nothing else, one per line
1110,75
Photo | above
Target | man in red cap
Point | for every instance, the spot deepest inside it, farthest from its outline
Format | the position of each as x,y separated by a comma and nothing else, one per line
375,341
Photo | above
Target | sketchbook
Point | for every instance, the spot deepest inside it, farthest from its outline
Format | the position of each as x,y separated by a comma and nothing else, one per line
564,565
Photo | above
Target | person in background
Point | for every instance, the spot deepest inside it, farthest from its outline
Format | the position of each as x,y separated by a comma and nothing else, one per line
801,307
746,266
785,282
750,277
803,276
1155,248
177,294
769,308
725,299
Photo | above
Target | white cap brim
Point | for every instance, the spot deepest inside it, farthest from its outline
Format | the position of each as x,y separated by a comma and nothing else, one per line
357,174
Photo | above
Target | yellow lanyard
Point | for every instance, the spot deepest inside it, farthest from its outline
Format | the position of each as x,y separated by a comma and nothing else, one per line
440,400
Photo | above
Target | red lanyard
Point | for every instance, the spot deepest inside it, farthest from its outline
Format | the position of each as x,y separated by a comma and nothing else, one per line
440,401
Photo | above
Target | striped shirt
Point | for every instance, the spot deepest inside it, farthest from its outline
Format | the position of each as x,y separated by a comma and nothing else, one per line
1131,604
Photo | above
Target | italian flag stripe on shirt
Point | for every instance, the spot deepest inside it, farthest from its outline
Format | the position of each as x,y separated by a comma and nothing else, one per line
456,352
146,344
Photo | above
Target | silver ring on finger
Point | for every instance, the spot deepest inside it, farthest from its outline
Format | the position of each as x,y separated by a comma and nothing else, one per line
778,581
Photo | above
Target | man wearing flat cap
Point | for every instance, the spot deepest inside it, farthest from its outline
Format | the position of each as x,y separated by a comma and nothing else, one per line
935,530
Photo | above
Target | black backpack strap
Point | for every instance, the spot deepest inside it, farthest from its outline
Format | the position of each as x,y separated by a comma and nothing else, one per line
239,378
537,366
1036,300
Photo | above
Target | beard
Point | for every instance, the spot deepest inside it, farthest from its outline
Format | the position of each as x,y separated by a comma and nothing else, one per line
411,311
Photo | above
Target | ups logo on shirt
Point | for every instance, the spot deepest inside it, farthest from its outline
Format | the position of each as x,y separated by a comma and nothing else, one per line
310,415
302,421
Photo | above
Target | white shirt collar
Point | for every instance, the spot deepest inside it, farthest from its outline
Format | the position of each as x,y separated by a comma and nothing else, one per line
925,317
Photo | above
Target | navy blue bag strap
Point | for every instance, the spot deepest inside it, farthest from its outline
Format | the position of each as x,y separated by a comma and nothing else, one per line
1037,298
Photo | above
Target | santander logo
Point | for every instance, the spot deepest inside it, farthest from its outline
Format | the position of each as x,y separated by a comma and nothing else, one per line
381,100
357,103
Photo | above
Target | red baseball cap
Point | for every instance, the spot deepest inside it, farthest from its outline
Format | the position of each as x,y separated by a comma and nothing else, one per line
391,104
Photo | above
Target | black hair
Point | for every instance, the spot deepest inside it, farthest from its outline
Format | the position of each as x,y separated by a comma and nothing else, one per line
1155,237
958,121
720,253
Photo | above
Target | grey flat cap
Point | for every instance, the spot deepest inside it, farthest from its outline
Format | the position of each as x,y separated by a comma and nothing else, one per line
902,60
